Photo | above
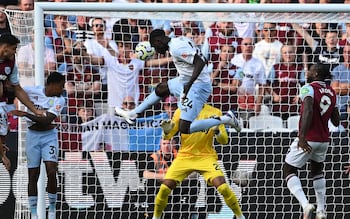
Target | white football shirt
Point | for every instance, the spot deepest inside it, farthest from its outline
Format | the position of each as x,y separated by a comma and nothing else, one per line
182,50
37,95
123,80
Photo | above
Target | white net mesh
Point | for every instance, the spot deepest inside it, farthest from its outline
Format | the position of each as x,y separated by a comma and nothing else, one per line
102,158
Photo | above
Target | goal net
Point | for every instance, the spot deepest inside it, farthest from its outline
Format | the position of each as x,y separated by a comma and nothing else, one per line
103,160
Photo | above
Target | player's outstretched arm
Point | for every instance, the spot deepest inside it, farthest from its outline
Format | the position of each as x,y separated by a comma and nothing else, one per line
43,120
335,117
198,64
306,120
23,97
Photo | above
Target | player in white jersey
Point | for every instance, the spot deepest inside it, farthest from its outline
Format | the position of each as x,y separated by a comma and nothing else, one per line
192,86
42,139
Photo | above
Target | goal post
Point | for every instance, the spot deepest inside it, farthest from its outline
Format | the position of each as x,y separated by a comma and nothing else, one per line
101,163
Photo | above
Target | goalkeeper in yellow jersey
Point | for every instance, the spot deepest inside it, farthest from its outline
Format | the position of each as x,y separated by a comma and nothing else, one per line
197,154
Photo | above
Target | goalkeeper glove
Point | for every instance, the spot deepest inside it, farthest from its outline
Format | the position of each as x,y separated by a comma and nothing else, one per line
167,126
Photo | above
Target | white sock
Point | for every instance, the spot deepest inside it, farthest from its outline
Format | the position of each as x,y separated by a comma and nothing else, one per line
294,186
320,191
155,217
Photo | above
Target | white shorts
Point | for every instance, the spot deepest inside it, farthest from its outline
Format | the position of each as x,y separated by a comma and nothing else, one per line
197,97
41,145
298,158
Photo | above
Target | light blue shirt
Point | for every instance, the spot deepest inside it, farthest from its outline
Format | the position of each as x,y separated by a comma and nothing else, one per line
342,75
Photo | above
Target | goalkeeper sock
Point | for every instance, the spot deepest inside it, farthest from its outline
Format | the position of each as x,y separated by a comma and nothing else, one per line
161,200
319,183
294,186
230,199
203,124
147,103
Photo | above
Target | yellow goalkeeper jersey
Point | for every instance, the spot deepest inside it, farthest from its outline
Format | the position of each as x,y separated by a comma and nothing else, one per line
199,144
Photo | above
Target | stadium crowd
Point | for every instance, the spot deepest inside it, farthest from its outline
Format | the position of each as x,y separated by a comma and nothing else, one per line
256,68
252,64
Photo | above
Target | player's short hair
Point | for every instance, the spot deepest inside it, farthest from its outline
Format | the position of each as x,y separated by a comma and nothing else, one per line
8,38
156,34
323,71
55,78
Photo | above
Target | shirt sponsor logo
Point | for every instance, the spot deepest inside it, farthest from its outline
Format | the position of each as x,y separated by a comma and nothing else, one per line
304,90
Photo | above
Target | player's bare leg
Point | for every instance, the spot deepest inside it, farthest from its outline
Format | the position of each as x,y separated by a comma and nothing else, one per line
51,170
294,186
319,184
33,176
160,92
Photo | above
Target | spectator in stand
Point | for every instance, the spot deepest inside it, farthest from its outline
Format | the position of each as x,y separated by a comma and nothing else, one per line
286,34
128,103
81,29
4,24
224,95
84,113
144,29
244,29
22,21
159,162
220,33
345,39
60,40
197,39
26,5
123,72
162,24
49,18
250,73
110,21
284,81
25,61
83,81
341,83
268,50
197,29
170,105
100,47
126,26
23,5
323,50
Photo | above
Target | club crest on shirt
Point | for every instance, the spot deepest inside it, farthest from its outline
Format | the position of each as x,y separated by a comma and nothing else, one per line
58,108
131,67
184,55
51,102
7,70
